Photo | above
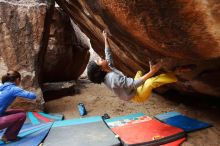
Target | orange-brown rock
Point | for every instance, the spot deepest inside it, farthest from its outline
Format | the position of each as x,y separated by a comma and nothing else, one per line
183,33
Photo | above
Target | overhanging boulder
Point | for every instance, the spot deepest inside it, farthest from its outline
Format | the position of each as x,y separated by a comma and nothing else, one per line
182,33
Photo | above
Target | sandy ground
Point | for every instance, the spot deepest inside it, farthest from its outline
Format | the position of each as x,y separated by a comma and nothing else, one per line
99,100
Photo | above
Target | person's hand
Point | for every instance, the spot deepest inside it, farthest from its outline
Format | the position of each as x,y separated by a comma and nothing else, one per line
155,68
104,33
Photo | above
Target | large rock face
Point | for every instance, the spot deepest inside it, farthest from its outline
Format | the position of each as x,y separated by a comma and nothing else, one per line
66,57
183,33
40,44
23,27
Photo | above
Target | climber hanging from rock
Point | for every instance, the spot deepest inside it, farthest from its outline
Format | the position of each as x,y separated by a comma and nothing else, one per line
138,89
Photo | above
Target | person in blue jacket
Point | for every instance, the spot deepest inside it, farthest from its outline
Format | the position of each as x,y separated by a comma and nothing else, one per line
12,119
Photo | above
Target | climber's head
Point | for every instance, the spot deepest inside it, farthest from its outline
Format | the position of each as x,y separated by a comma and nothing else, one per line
96,70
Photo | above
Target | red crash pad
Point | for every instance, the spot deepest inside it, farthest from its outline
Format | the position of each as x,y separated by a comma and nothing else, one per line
151,132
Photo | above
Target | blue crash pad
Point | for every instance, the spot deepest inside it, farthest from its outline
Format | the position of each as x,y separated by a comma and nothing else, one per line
72,122
29,128
181,121
41,117
31,135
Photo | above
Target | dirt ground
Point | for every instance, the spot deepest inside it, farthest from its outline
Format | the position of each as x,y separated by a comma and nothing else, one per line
99,100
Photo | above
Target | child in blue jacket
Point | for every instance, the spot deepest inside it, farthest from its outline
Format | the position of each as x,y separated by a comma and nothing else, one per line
12,119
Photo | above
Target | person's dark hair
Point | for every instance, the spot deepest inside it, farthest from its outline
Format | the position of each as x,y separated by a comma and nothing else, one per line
95,73
11,76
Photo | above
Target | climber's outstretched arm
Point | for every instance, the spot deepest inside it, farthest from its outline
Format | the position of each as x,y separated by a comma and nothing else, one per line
108,53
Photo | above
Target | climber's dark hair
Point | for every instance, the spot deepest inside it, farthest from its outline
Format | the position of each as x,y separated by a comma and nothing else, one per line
11,76
95,73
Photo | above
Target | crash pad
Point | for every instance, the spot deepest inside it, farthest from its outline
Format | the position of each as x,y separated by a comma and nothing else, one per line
122,120
41,117
181,121
175,143
31,135
90,131
28,128
130,117
151,132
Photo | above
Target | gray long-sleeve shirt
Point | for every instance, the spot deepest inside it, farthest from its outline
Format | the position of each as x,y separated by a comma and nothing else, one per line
124,87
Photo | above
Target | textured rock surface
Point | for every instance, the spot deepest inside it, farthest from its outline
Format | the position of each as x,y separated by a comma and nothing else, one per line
23,26
183,33
65,57
39,41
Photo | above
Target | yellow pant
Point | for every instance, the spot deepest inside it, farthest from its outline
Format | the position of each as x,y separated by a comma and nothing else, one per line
145,90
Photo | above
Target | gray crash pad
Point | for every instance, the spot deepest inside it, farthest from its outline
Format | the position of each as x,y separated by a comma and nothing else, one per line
81,132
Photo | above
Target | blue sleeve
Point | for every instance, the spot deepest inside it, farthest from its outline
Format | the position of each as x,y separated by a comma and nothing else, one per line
108,56
23,93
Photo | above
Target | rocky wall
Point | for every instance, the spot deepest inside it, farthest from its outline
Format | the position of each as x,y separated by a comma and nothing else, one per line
182,33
